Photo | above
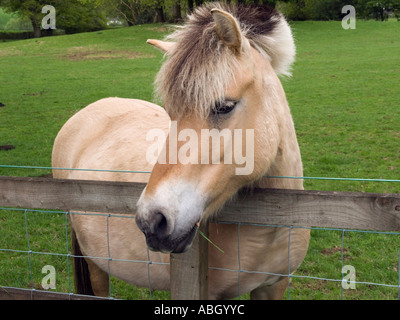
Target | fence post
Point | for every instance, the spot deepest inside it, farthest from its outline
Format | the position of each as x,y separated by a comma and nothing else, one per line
189,270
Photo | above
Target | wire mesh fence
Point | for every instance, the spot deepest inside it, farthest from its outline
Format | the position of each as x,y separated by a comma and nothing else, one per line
341,263
353,264
36,255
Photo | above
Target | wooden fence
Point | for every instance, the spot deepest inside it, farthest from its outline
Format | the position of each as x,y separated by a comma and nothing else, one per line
344,210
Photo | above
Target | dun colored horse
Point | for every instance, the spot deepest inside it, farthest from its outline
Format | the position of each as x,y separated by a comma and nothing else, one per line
218,83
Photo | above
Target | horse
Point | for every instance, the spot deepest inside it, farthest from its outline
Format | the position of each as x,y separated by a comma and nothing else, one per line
219,83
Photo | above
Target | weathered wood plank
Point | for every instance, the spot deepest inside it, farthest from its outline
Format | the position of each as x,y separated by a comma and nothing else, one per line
349,210
189,271
69,195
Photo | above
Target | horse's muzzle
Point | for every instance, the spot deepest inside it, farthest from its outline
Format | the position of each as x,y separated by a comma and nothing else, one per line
158,240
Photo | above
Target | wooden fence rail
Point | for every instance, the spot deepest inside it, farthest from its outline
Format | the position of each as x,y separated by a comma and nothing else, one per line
344,210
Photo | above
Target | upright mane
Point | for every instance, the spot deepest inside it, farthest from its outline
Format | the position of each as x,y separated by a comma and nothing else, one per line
200,66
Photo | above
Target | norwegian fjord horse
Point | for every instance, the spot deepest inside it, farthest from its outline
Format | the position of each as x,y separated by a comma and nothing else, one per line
220,75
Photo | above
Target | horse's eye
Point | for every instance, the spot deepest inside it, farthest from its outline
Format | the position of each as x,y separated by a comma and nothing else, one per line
223,107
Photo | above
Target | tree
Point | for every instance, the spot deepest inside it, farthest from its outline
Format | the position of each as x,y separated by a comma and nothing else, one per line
30,8
132,11
72,15
331,9
380,10
176,11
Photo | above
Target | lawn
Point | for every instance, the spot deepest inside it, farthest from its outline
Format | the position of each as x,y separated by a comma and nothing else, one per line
344,96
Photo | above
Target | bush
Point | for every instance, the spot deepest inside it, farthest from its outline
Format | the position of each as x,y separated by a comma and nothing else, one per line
4,35
18,23
332,9
381,10
325,9
78,18
312,9
291,10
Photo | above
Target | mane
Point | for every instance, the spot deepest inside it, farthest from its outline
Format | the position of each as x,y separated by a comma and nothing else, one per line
200,67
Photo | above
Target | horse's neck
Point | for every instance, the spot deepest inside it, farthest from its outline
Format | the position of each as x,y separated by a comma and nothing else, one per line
287,162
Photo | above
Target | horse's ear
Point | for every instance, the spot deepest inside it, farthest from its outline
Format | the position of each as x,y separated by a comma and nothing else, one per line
228,29
162,45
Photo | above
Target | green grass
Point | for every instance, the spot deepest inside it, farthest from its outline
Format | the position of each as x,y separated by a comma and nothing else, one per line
345,102
44,82
344,96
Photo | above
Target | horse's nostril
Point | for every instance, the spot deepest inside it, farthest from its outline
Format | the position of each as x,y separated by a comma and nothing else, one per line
159,225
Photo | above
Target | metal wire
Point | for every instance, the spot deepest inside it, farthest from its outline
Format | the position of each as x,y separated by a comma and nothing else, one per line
68,255
133,171
288,270
29,248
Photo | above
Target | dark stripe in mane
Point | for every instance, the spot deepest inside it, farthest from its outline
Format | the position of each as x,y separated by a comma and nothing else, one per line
259,19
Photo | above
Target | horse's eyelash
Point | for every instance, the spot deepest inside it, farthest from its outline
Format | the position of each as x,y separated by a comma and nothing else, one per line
225,106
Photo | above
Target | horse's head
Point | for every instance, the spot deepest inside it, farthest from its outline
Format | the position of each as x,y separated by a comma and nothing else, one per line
220,88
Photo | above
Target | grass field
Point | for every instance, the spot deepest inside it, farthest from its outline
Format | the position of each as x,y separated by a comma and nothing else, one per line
344,96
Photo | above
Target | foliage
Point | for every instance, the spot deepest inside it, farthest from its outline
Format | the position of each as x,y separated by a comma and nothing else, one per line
13,22
4,18
331,9
141,11
381,10
18,23
72,15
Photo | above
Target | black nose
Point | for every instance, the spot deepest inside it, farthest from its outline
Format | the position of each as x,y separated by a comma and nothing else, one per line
155,224
160,236
158,225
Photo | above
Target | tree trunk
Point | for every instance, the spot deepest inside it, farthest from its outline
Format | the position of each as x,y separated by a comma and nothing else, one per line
176,12
190,5
159,14
36,28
